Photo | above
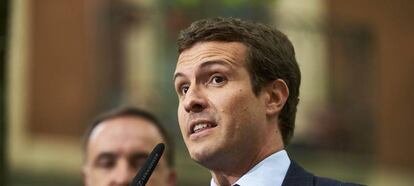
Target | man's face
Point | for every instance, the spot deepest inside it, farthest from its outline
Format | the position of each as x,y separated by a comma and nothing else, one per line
118,148
219,115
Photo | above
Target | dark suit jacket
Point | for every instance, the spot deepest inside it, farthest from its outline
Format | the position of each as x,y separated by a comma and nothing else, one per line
297,176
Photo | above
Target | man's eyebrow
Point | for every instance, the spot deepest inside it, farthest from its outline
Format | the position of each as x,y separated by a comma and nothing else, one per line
178,74
139,155
203,65
215,62
105,155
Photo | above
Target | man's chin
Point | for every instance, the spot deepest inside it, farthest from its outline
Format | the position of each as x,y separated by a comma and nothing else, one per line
200,154
205,157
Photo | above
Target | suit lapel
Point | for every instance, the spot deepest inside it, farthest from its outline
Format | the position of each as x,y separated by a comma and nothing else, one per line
297,176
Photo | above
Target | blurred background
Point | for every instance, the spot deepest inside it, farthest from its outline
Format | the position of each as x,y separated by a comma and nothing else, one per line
64,62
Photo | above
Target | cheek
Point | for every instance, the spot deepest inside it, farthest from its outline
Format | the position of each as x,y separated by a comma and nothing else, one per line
240,109
97,177
235,102
157,177
181,118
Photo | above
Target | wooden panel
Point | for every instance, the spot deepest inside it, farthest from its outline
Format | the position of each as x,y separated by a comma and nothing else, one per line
64,82
394,86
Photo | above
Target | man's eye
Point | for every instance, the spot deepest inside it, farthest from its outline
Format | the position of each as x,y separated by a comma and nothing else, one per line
106,163
184,89
137,163
217,79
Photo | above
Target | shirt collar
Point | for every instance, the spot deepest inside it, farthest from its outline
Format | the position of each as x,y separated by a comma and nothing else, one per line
270,171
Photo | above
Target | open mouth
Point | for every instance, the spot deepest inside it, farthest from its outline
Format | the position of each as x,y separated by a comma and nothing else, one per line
199,127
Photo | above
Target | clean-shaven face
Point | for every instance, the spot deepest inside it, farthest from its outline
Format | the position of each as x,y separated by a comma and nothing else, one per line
117,149
219,115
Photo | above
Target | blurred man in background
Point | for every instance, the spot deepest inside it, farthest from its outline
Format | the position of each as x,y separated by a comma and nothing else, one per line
238,88
117,145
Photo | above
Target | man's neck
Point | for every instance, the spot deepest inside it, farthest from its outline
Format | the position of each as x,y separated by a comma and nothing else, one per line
224,180
227,168
227,177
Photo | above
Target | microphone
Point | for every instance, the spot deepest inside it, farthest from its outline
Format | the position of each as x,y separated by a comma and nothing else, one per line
143,175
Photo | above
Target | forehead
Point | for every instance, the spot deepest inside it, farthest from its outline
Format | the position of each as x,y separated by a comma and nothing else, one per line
230,52
124,134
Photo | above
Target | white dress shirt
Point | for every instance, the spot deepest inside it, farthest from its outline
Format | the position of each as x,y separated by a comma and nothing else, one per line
270,171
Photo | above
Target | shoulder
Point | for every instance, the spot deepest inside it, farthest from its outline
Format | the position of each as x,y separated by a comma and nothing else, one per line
321,181
296,176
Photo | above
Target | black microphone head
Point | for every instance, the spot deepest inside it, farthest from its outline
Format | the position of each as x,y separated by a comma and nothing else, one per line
159,148
145,172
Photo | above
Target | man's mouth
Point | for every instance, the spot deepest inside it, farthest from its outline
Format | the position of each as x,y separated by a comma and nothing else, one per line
201,126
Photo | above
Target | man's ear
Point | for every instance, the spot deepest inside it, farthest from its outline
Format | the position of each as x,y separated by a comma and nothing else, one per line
85,175
277,94
172,178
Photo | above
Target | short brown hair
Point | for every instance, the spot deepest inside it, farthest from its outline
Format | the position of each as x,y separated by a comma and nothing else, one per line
271,56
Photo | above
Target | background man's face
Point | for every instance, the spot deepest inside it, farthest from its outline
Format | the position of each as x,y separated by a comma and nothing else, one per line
219,115
117,149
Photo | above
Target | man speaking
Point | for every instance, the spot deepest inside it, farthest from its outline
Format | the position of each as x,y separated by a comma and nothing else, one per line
238,87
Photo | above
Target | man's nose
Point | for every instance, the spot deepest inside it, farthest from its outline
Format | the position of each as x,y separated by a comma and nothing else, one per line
123,174
195,100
